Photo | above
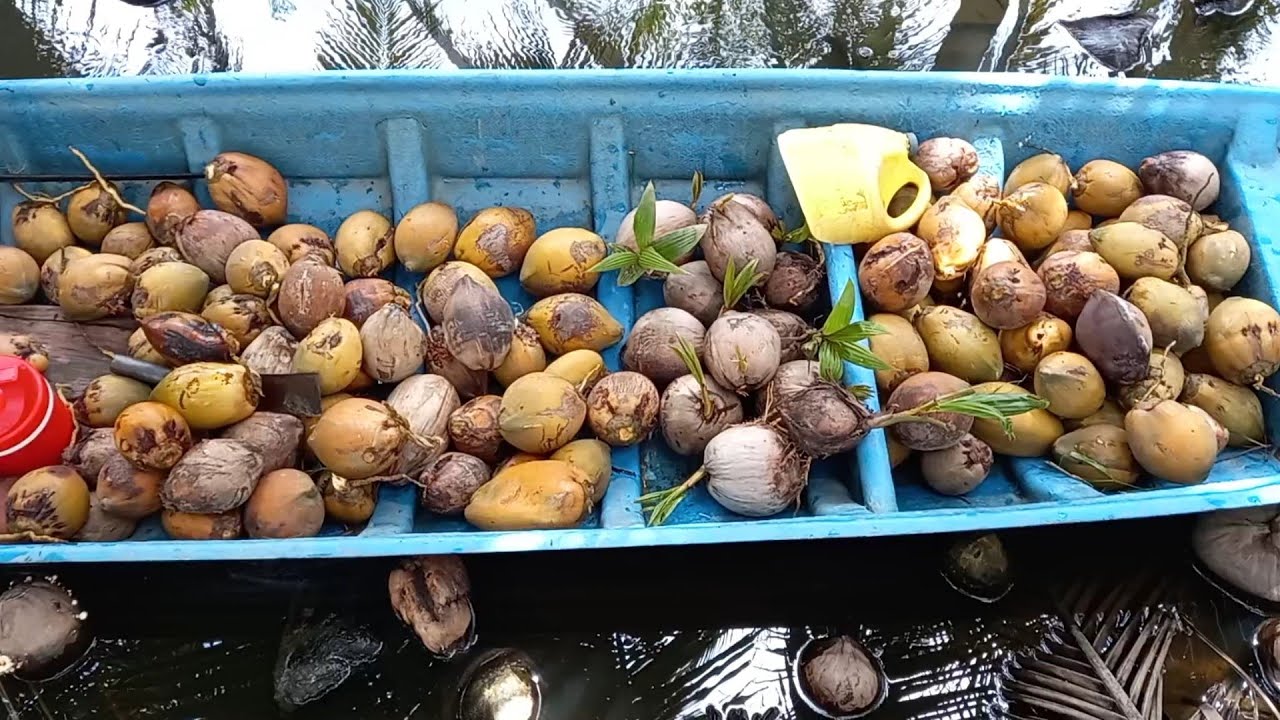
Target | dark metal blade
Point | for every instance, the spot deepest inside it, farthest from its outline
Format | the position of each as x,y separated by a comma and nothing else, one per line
293,394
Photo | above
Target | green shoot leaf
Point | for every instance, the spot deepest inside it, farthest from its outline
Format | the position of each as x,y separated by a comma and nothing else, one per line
987,406
652,261
689,355
861,392
830,366
629,275
679,242
645,217
842,313
738,283
1086,460
696,190
798,235
856,332
858,355
618,259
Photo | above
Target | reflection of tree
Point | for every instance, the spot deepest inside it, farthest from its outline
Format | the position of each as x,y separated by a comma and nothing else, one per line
899,34
363,34
796,29
636,33
516,35
1233,49
26,51
1044,45
188,40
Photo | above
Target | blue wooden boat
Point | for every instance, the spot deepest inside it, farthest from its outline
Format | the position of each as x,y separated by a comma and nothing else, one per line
576,149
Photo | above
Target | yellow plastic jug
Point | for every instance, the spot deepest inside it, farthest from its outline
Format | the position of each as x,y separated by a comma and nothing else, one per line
844,176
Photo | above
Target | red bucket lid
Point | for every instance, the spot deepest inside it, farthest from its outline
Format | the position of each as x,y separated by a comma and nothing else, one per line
25,399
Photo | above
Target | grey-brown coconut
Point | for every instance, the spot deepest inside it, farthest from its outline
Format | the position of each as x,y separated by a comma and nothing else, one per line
650,349
275,436
432,595
947,428
1115,336
213,477
310,292
478,326
449,482
207,237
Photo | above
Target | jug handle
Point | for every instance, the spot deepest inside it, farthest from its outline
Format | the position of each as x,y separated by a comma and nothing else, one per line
893,177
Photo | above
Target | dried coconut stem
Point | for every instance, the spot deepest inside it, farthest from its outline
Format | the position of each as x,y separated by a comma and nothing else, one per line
50,200
102,182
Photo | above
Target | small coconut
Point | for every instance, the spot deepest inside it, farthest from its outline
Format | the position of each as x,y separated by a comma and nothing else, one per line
560,261
959,469
285,504
1136,251
248,187
358,438
651,348
796,282
1243,340
450,481
51,270
102,526
1165,377
182,338
901,347
668,215
758,207
276,437
496,240
582,368
299,240
470,383
1071,384
1071,278
425,235
981,193
310,293
1176,315
130,240
1045,168
52,501
1172,441
824,419
207,238
392,344
917,390
436,288
541,412
1024,347
960,344
593,458
696,291
105,397
955,234
1032,215
168,206
169,286
43,632
1099,455
897,272
334,351
1007,295
752,470
478,326
20,277
1033,432
525,356
1218,260
1184,174
1172,217
425,403
793,330
244,316
198,526
92,212
1105,188
473,428
1235,407
1115,336
346,502
365,243
622,409
255,267
571,321
92,449
742,351
40,229
127,491
26,347
210,395
947,161
735,233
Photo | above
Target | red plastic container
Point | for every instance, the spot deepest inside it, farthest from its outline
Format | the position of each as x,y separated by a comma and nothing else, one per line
35,424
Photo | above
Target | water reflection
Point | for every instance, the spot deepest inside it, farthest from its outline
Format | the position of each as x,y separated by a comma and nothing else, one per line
1166,38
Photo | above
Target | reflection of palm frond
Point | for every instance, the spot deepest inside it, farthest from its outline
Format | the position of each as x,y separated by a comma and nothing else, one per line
189,40
365,34
1106,662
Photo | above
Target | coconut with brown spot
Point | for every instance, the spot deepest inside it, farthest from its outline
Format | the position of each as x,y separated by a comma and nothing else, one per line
310,293
560,261
35,352
168,206
622,408
249,187
197,526
365,296
496,240
244,316
40,229
300,240
572,321
127,490
365,243
152,435
92,212
285,504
